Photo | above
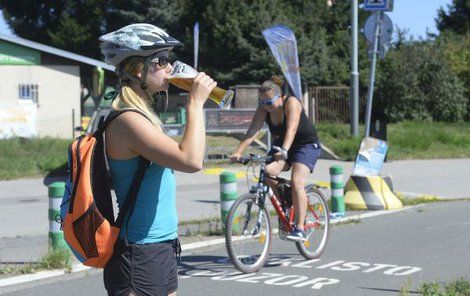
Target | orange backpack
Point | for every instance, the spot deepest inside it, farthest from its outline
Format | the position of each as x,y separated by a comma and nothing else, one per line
87,214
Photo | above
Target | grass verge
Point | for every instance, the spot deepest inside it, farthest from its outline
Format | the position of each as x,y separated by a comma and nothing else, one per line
22,158
54,259
459,287
406,140
407,201
426,198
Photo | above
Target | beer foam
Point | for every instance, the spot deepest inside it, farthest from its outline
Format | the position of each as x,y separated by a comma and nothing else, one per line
181,75
182,70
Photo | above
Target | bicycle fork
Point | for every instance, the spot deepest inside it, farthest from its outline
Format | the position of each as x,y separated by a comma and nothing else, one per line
259,220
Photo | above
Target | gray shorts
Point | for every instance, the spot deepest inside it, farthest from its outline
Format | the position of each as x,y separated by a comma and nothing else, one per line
144,270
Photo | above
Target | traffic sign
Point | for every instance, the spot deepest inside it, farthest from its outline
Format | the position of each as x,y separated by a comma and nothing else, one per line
386,29
378,5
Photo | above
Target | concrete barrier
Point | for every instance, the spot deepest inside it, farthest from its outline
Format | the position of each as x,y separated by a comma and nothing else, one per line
371,193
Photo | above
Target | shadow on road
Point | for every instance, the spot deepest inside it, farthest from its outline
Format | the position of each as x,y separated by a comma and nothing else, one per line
208,266
208,201
388,290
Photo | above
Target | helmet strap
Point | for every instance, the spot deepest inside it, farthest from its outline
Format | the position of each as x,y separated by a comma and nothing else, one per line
143,82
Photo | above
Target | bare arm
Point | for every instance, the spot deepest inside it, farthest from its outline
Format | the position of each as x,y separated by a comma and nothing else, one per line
193,143
293,110
257,123
134,131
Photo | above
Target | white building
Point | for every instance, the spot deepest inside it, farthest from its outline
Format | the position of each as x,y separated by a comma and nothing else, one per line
40,88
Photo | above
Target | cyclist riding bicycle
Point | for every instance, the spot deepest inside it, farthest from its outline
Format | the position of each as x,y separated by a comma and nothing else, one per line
295,145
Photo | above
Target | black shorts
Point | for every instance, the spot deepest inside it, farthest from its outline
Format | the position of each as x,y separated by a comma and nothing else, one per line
145,270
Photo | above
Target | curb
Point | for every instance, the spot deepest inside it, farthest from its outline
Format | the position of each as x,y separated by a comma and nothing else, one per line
186,247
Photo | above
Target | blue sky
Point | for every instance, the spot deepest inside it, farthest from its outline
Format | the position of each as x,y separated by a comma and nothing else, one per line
415,15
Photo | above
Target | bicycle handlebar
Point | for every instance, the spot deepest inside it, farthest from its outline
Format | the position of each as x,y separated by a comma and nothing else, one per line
255,158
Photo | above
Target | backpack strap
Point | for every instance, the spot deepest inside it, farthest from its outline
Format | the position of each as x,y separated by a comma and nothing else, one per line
103,123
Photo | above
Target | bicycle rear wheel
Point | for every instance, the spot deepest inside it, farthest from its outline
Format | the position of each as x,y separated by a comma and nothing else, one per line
248,234
317,224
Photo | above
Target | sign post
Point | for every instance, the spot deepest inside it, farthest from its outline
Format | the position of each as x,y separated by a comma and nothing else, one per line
378,30
360,193
354,90
370,91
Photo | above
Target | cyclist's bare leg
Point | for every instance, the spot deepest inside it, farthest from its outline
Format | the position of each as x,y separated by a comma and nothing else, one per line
274,169
300,173
172,294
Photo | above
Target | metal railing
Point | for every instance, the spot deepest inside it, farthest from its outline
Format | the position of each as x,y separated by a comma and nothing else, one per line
331,104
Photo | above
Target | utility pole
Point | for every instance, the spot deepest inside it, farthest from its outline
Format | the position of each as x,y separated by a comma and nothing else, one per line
354,89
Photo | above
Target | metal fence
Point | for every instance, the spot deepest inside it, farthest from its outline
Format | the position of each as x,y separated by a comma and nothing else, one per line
331,104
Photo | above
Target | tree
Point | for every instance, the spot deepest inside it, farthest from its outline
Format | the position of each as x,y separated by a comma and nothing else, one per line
457,18
76,25
234,51
232,48
415,82
69,25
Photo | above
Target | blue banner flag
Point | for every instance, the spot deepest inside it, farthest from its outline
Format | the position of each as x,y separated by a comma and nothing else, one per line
283,45
196,43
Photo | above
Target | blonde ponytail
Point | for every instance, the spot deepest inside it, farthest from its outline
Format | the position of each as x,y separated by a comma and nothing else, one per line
129,99
277,79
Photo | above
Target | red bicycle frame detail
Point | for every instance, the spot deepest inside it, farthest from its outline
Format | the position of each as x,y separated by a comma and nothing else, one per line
289,223
277,206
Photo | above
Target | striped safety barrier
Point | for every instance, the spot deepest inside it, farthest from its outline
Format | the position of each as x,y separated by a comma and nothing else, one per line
371,193
56,235
228,193
337,190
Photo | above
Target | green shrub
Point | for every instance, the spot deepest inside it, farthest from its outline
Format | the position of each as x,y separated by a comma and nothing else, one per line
20,158
416,82
57,259
460,287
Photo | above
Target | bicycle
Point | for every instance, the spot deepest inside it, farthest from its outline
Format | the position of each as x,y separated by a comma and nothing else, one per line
248,231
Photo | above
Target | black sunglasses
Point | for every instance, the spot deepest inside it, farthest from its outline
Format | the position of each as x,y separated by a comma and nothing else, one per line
162,61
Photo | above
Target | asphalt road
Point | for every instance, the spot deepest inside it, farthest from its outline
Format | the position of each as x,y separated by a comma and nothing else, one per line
377,256
24,203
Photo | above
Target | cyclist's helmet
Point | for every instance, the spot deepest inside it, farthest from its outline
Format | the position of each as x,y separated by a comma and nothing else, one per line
135,40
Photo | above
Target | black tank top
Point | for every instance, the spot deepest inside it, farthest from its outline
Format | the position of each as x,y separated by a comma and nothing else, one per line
306,131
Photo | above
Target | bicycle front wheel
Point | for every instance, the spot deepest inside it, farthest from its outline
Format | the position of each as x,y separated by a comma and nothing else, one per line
317,224
248,234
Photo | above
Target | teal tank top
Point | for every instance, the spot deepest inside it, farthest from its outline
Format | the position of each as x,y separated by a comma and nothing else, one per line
154,218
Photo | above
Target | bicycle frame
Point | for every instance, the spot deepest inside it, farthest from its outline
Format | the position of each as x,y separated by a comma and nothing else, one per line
249,247
262,190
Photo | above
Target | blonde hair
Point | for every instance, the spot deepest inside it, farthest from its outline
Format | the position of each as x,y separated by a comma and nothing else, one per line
129,99
274,84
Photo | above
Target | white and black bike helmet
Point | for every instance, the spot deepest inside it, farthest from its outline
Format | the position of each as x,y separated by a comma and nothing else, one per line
135,40
143,40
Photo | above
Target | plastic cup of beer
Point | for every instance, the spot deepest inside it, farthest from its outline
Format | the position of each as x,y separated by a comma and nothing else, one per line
183,77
